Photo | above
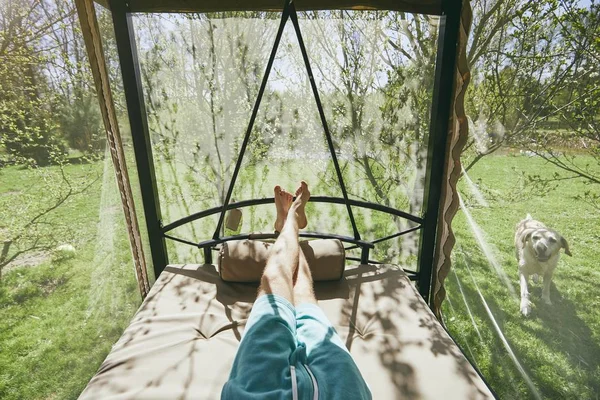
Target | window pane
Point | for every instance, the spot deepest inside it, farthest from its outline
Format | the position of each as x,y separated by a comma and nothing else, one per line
201,74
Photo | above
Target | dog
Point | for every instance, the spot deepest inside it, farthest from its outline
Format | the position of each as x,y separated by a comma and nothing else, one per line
537,250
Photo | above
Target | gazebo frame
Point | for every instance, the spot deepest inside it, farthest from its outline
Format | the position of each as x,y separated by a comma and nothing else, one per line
446,135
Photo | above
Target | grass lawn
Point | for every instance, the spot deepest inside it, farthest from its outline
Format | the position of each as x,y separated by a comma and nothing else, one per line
555,353
59,319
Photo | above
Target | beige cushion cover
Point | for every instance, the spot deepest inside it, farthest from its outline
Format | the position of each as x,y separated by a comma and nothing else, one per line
245,260
182,341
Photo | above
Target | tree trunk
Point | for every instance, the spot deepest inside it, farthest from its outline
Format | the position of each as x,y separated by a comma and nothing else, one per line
4,255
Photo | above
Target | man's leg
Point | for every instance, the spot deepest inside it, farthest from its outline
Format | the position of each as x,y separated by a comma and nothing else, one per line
303,286
262,368
329,362
282,264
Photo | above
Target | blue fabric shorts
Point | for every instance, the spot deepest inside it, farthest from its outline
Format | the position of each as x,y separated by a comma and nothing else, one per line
292,353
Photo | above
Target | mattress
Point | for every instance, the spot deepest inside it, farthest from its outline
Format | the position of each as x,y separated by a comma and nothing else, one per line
183,339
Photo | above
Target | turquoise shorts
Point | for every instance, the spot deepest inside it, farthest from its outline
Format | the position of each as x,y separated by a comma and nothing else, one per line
293,354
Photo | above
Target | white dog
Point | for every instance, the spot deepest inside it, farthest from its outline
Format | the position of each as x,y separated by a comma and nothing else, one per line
538,251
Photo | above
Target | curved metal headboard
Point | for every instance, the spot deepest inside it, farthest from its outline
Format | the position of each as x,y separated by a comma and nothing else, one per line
364,245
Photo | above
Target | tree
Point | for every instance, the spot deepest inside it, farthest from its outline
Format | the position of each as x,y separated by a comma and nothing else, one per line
47,101
536,88
201,74
577,106
28,129
42,68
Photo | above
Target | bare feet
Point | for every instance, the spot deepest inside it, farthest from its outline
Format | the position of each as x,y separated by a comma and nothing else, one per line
283,201
302,196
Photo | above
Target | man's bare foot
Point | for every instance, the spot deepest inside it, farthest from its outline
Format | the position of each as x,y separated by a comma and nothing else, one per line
302,196
283,201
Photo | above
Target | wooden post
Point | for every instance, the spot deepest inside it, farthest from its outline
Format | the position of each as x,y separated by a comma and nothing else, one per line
93,44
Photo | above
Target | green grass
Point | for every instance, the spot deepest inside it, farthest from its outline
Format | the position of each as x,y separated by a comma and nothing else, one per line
59,319
558,347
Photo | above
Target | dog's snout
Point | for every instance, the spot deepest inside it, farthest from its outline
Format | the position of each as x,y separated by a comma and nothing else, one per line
541,248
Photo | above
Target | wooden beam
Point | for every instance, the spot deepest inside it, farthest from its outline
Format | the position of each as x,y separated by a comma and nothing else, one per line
433,7
93,44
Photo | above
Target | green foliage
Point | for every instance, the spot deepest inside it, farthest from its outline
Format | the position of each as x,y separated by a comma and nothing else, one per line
535,84
29,133
47,101
81,125
28,129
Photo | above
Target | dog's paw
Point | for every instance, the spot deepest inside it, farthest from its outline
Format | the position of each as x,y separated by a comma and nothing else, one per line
525,307
547,301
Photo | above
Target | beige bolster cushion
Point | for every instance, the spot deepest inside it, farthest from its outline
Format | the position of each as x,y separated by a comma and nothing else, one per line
244,260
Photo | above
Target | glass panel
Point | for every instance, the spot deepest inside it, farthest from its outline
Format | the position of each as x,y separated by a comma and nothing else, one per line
375,73
67,286
201,74
288,142
328,218
181,253
533,149
402,250
354,253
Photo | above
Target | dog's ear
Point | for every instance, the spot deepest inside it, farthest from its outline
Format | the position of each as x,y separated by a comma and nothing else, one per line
565,246
526,236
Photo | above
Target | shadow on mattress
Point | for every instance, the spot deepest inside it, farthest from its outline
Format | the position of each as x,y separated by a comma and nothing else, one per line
182,341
